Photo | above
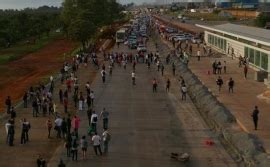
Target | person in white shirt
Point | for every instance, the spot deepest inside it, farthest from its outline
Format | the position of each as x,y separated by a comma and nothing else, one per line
106,136
58,124
184,92
96,143
92,97
199,55
103,75
133,77
7,125
94,120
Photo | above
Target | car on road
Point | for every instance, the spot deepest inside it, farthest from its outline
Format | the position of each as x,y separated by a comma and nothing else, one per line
141,48
180,38
196,40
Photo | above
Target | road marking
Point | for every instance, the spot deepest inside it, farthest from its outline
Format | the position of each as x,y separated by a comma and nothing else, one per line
242,126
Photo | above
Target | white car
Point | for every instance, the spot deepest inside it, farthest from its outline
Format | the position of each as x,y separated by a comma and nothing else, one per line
141,48
196,40
180,38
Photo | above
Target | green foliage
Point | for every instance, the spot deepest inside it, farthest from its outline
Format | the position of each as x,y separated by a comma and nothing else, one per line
261,20
27,24
82,18
21,48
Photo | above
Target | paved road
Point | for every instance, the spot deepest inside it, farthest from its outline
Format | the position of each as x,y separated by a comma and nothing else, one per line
146,127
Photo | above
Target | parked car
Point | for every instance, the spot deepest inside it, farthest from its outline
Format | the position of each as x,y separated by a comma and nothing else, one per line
196,40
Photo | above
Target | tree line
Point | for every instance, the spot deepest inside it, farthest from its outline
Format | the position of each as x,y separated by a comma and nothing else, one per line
82,18
78,19
27,24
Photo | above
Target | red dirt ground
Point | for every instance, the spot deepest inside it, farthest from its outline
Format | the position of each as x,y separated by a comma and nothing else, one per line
17,76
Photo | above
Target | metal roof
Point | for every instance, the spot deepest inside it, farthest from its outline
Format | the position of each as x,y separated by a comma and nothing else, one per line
255,34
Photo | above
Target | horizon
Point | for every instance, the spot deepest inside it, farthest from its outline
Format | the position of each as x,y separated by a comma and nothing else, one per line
22,4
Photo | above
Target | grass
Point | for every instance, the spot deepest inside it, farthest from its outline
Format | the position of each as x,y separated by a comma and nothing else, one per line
22,48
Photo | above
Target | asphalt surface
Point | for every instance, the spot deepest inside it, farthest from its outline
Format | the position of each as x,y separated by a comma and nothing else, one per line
147,127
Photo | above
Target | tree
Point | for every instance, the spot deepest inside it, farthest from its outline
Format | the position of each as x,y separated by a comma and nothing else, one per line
261,20
82,18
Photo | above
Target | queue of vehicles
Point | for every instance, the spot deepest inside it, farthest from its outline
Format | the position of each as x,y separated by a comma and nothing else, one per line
176,35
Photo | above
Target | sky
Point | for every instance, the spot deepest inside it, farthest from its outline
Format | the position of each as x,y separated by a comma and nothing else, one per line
20,4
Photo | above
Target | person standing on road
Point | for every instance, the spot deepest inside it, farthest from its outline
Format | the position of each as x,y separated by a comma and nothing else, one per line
105,116
35,108
68,124
84,146
8,104
106,139
96,143
168,84
61,94
103,75
231,85
219,82
61,164
64,128
49,127
255,116
154,82
133,78
25,128
89,114
219,68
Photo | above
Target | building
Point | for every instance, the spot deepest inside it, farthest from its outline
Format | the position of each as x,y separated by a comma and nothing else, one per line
239,40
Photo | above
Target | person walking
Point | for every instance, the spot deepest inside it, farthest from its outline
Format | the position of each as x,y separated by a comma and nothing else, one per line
219,68
11,133
65,105
219,82
103,75
96,143
92,96
35,108
133,78
76,124
255,116
105,116
106,136
84,146
168,84
231,85
154,83
68,124
74,150
49,127
94,120
25,128
58,123
184,92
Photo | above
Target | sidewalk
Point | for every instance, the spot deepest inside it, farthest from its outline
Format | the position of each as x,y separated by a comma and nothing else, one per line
241,103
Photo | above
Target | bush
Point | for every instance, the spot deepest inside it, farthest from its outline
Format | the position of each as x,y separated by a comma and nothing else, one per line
261,20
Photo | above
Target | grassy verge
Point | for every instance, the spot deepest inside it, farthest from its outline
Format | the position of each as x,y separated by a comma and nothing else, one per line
22,48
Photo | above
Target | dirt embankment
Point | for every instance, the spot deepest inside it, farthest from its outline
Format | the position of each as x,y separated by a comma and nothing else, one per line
17,76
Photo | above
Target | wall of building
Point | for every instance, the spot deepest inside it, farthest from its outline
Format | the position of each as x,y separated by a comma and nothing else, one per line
239,50
243,13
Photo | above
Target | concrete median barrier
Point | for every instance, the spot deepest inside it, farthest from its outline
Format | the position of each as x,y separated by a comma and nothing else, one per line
247,148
